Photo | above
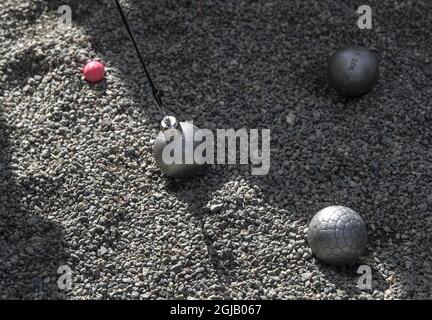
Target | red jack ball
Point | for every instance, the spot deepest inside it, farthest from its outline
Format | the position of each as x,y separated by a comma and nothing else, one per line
94,71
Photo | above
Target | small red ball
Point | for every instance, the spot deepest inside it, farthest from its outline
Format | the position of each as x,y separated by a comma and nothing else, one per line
94,71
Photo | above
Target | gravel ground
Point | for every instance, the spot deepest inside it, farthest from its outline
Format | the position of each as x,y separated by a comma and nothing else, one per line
79,186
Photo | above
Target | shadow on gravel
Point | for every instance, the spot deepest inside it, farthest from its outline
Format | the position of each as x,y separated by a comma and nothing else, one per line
31,247
336,169
222,259
347,280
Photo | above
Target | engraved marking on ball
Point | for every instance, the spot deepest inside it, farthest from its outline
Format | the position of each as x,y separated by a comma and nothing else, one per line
353,64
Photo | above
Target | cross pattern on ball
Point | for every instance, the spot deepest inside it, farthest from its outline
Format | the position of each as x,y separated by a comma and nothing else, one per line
337,235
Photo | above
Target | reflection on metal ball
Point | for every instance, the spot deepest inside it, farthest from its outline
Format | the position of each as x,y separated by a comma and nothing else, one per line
337,235
176,133
353,71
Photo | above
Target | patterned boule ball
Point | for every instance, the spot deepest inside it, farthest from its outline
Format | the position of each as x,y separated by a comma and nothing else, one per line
337,235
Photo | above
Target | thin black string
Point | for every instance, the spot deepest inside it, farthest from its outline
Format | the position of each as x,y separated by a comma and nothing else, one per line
155,91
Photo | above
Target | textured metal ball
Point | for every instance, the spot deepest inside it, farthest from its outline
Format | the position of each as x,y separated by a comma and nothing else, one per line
176,170
337,235
353,71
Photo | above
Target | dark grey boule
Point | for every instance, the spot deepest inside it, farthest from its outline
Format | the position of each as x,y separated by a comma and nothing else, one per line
337,235
177,136
353,71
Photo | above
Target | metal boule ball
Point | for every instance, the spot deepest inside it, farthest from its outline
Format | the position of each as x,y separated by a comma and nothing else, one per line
177,137
353,71
337,235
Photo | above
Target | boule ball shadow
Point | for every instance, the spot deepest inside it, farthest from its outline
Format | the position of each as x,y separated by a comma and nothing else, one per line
337,235
353,71
176,133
